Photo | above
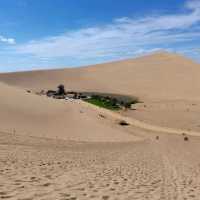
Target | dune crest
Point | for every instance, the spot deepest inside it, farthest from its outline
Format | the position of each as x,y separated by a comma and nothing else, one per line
157,76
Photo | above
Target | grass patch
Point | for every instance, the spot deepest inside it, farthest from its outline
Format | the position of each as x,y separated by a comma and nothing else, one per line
111,101
103,103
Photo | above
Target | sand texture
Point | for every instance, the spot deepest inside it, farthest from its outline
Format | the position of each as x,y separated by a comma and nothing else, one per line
167,83
160,76
71,150
149,169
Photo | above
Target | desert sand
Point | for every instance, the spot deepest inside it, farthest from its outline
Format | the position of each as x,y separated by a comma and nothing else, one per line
70,150
167,83
157,76
148,169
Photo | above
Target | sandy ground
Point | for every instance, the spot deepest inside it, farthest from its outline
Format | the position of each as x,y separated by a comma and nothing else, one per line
69,150
168,168
32,115
177,114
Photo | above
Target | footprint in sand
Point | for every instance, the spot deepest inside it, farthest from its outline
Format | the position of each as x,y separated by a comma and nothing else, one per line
105,197
46,184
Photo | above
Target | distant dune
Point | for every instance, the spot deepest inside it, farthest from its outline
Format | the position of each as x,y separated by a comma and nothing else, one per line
158,76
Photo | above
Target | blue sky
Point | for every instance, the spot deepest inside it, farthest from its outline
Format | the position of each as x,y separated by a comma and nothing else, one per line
37,34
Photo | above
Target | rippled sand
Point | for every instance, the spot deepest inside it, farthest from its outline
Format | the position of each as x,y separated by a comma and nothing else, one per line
31,168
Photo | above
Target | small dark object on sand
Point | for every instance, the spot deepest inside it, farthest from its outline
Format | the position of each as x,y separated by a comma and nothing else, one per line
183,134
186,138
157,137
123,123
102,116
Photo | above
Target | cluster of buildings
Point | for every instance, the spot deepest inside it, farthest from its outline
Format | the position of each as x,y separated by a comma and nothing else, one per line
62,94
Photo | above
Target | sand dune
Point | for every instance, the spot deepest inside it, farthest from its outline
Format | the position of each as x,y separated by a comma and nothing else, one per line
168,84
32,115
158,76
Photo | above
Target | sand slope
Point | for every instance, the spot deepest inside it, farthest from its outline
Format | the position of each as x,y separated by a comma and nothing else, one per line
153,169
157,76
29,114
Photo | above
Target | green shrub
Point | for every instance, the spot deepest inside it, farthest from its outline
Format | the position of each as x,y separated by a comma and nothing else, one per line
111,101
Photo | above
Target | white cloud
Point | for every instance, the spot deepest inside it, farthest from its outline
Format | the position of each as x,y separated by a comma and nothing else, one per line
193,4
7,40
123,36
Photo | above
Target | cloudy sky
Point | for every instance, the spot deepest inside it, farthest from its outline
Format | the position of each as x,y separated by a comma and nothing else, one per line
37,34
